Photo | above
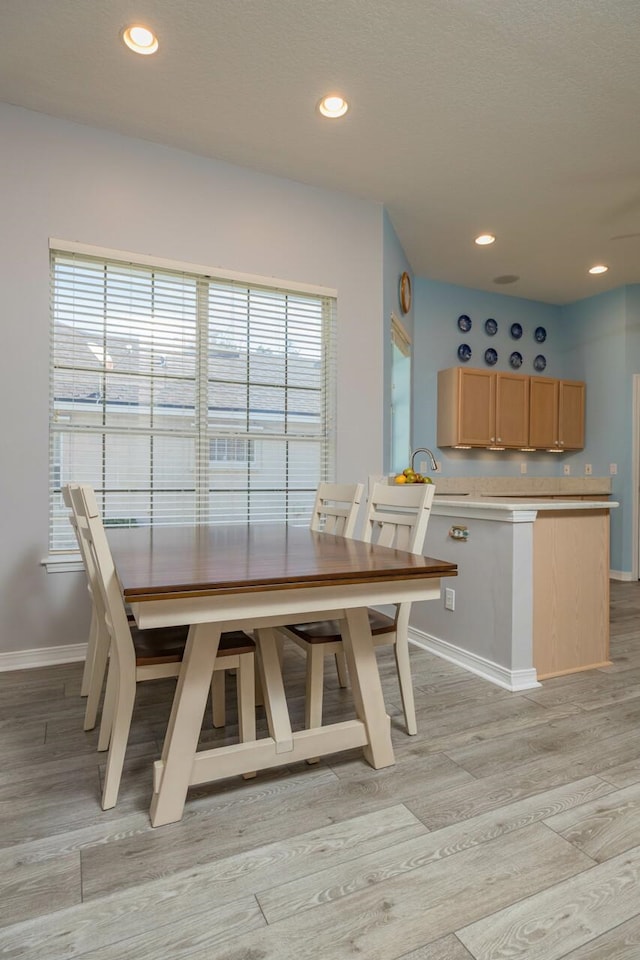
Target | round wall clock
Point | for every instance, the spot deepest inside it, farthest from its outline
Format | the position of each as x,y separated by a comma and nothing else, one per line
405,292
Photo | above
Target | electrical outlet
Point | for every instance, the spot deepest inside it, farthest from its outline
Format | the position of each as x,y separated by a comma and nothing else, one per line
613,469
523,468
566,469
449,599
438,466
424,466
588,469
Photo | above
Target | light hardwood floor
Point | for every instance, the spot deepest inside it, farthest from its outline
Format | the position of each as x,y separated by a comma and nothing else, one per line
509,828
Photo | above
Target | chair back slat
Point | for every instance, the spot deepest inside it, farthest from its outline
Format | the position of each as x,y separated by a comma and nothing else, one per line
87,560
101,571
398,516
336,508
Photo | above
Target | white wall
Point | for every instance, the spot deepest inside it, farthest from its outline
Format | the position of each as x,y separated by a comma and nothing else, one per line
72,182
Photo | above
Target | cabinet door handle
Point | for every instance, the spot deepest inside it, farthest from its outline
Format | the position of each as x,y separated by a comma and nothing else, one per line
493,439
499,439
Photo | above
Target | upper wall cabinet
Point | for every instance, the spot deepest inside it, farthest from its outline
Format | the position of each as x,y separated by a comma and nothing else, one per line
557,414
482,408
500,410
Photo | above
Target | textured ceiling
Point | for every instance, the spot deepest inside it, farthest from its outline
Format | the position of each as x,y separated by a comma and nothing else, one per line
518,117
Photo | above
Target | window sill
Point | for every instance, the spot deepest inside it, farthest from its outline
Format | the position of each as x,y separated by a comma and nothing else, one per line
63,563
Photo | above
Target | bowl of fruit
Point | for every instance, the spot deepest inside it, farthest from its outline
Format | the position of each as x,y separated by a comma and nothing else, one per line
410,476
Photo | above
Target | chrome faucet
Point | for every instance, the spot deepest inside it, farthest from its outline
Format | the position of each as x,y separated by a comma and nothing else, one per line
434,465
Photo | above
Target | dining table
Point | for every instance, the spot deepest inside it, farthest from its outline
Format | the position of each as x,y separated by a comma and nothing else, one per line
257,577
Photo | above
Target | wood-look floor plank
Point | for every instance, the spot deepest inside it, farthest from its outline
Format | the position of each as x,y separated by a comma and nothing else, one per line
623,775
449,948
27,891
492,728
458,803
621,943
486,768
411,910
359,873
189,933
235,827
168,900
605,827
13,690
548,925
560,736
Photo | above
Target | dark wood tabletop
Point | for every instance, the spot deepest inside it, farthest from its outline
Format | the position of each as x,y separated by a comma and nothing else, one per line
155,562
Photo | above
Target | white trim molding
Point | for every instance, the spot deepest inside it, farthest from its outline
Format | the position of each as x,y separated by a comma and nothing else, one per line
63,563
635,481
512,680
42,656
621,575
127,256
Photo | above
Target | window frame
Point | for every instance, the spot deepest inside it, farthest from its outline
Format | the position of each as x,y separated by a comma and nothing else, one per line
211,276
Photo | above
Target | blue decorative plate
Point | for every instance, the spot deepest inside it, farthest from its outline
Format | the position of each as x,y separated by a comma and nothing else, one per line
540,335
464,323
516,331
490,356
490,327
539,363
515,359
464,352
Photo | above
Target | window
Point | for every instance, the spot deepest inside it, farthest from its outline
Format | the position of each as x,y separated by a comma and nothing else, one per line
187,398
224,450
400,395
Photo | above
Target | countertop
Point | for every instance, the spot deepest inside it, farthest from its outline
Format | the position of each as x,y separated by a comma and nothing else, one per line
444,502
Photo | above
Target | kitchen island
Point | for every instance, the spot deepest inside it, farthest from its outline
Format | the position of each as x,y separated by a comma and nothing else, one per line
531,599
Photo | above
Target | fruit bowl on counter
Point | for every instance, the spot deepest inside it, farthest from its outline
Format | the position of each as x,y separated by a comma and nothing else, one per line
410,476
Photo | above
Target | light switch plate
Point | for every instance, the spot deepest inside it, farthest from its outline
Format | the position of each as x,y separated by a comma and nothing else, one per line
613,469
588,469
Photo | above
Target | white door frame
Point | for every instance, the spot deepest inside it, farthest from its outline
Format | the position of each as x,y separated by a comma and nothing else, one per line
635,479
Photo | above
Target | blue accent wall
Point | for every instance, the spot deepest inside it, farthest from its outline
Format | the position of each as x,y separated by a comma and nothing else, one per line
596,340
437,307
602,347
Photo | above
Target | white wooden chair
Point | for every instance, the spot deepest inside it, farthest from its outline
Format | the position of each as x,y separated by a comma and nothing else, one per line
335,511
138,655
336,508
98,641
396,517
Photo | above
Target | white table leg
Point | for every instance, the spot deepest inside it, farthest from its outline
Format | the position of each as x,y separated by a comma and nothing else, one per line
185,722
367,689
275,701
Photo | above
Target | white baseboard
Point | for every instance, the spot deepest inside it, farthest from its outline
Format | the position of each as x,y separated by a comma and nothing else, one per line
620,575
42,656
512,680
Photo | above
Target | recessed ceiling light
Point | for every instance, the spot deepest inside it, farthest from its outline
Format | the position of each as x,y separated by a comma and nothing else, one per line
140,39
333,106
599,268
485,239
506,278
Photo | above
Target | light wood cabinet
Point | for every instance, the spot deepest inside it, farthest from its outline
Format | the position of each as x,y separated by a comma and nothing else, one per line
512,410
556,414
570,591
483,408
480,408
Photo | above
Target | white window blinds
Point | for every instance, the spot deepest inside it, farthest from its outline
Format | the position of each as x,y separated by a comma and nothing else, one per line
184,398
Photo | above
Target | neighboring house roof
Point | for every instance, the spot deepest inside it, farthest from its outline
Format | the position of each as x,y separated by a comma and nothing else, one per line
124,370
